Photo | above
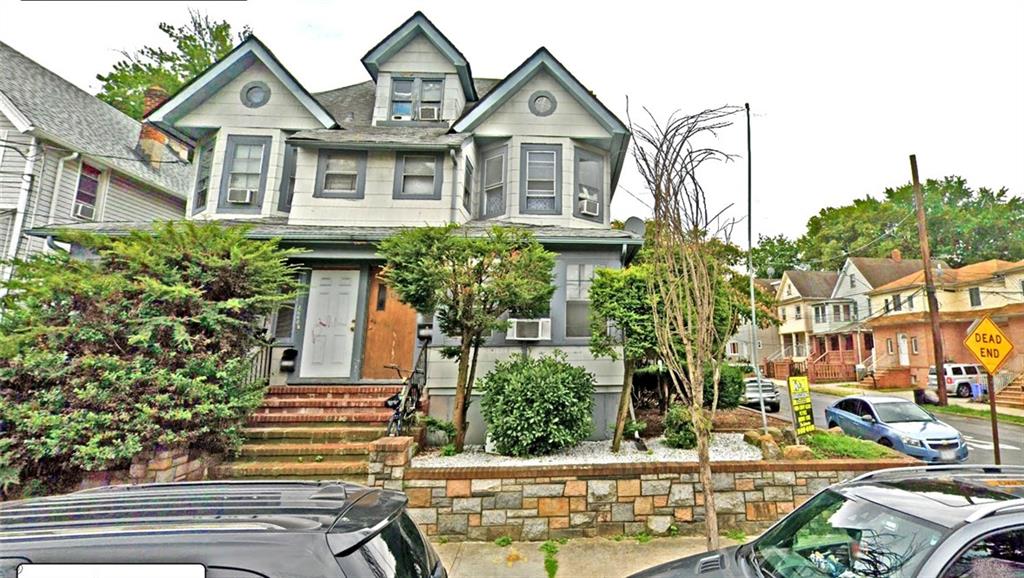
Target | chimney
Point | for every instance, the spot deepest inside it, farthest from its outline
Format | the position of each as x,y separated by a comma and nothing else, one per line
896,255
152,141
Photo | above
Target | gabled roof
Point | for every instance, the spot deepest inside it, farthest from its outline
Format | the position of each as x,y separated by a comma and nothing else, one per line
197,90
945,277
379,136
879,271
418,24
40,102
813,284
543,60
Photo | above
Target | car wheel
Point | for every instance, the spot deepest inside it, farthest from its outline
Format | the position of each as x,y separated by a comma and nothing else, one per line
885,442
774,408
832,424
963,390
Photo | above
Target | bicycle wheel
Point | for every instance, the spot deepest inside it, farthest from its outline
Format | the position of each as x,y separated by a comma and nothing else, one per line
394,425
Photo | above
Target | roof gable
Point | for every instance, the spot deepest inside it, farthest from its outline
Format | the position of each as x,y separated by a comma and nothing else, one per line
418,24
808,284
218,75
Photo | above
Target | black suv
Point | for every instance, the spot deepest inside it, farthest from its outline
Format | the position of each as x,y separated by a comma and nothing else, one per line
930,521
236,529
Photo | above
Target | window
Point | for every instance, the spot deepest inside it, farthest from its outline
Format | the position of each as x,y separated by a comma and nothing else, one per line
245,174
910,302
418,175
846,312
493,182
284,322
467,188
853,282
819,314
1022,287
869,308
835,312
87,192
542,103
797,313
897,303
255,94
975,294
340,175
913,345
782,313
204,165
971,370
589,179
577,299
887,305
998,554
888,346
540,183
416,99
733,348
287,188
956,371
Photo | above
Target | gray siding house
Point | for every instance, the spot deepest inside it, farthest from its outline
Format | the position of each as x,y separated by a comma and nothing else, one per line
420,142
68,158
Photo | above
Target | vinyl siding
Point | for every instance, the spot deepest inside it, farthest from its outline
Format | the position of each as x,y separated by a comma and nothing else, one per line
274,168
454,98
12,164
444,372
6,222
225,108
569,119
419,55
127,201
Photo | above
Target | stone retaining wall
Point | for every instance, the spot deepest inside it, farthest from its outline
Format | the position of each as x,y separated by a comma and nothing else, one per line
540,503
164,465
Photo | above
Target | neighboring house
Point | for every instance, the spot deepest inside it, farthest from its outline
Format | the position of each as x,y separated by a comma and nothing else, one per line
67,157
902,327
422,142
798,295
768,343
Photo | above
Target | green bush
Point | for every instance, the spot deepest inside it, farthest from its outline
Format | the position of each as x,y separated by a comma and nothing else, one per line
147,345
679,431
537,405
730,387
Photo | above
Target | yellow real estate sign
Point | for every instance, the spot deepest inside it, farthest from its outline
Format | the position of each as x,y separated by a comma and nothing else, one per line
989,344
800,401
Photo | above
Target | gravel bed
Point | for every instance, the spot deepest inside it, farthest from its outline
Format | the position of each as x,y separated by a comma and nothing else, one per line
724,447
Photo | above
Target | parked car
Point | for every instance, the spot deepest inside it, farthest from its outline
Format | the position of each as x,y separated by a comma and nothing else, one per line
926,521
754,390
236,529
960,377
899,424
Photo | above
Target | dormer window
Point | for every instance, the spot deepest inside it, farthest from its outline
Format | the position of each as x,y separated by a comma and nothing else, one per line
416,99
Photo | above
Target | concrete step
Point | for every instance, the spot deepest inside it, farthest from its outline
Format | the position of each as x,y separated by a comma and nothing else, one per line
354,416
347,450
313,434
279,469
1012,404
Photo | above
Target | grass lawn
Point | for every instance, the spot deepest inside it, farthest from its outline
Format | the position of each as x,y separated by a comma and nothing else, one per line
827,446
974,412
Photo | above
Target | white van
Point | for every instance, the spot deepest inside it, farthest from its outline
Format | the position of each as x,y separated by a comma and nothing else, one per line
959,377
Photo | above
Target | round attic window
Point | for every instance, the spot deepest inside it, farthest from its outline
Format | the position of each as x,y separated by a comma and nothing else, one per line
543,103
255,94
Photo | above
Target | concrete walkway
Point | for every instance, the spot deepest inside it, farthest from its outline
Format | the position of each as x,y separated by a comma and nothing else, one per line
581,557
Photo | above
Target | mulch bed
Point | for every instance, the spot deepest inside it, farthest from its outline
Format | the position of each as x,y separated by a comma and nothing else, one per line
730,420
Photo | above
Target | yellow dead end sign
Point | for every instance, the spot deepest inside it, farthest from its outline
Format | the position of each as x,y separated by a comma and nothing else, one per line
990,346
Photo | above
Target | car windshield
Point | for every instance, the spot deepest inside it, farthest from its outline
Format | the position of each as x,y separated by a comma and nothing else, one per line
838,537
901,411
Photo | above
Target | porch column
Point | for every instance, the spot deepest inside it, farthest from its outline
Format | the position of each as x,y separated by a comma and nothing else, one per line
857,339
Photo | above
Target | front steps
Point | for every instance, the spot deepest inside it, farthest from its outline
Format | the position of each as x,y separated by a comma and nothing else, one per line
1012,395
312,433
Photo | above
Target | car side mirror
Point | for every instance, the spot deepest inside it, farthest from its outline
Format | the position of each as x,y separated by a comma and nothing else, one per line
867,417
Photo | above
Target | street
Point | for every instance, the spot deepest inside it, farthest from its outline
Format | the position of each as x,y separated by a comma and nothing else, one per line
977,432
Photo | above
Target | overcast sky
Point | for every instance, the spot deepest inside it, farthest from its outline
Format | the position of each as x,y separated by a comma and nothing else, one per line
842,92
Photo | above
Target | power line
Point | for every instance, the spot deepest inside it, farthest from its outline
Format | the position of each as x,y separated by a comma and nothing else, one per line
12,145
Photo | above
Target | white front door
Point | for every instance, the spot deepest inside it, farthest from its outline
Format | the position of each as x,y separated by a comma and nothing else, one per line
330,324
904,349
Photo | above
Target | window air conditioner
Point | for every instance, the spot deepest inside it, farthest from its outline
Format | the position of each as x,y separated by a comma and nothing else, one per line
529,329
240,196
430,113
589,207
83,211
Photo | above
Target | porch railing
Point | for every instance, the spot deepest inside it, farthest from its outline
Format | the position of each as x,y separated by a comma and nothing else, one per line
259,368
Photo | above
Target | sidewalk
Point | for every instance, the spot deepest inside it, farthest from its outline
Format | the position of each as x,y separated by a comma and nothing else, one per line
582,557
850,389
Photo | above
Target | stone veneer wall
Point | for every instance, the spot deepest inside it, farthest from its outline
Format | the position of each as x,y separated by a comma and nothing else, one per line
163,465
540,503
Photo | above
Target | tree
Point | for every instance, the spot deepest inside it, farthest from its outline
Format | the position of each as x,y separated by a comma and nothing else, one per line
469,283
965,226
197,45
619,299
688,273
774,255
149,344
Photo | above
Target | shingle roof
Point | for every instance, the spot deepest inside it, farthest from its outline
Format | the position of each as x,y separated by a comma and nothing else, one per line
879,271
77,119
381,135
945,277
813,284
279,227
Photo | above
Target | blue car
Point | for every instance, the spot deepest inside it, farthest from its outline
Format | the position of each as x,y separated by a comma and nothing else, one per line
899,424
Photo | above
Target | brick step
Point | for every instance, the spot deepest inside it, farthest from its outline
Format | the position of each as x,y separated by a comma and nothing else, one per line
320,402
307,433
356,416
322,470
1013,404
350,450
333,390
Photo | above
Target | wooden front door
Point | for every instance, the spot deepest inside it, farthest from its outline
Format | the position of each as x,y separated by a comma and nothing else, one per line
330,324
390,332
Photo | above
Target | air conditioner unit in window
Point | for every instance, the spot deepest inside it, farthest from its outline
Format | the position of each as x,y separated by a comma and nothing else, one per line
590,207
529,329
430,113
401,117
83,211
240,196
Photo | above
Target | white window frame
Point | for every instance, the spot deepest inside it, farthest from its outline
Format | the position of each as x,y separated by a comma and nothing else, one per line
889,348
95,206
581,270
500,187
204,169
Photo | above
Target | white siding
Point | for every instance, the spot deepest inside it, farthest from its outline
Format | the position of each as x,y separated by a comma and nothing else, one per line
12,164
442,373
859,292
382,98
377,207
225,108
128,201
274,167
419,55
570,119
454,98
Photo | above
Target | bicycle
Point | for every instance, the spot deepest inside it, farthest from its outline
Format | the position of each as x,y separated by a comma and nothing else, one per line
407,401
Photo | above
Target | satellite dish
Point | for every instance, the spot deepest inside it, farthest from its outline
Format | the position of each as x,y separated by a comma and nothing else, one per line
635,225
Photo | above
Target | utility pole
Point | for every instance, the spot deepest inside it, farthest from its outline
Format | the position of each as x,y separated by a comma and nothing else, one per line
929,284
750,273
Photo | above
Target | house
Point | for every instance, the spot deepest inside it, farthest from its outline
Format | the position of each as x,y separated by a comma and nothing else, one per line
768,343
799,294
421,141
902,327
66,157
